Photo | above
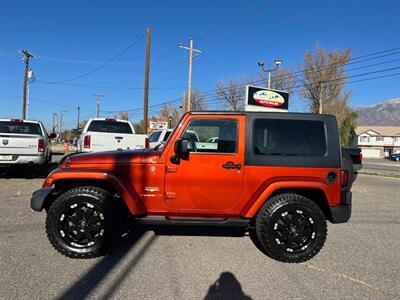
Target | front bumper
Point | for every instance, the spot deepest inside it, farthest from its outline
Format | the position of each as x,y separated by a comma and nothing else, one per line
39,197
341,213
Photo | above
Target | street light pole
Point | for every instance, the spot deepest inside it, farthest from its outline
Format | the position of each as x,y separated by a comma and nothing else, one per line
261,64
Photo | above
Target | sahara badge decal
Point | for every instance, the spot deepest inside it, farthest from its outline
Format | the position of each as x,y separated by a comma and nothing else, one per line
268,98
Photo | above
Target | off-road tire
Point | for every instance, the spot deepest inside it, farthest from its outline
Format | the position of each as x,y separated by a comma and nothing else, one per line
106,207
269,216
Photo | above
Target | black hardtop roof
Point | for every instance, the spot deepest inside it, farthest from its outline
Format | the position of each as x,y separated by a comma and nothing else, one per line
284,115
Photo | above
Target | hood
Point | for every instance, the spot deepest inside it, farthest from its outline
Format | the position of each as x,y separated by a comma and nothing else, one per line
117,157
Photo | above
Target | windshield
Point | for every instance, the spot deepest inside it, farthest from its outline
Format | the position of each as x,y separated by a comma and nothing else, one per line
110,126
19,127
154,136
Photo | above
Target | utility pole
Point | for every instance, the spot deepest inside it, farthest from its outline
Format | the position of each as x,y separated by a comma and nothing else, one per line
54,122
191,50
98,96
77,123
30,79
27,56
184,102
60,119
146,82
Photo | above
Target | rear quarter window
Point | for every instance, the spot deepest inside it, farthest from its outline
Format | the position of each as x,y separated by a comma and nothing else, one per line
273,137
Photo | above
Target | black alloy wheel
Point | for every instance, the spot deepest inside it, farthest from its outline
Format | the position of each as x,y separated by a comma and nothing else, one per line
84,222
290,228
81,224
294,230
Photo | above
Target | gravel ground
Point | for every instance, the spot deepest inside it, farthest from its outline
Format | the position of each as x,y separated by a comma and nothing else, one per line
361,259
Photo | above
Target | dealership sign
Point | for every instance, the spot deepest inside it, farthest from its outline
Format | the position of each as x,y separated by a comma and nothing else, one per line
262,99
158,125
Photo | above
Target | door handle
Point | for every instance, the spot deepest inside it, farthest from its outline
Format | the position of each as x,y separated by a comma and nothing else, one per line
231,165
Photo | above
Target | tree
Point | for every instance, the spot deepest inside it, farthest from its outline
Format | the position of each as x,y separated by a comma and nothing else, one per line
324,78
138,126
123,115
347,127
231,94
281,79
82,124
168,111
323,87
197,102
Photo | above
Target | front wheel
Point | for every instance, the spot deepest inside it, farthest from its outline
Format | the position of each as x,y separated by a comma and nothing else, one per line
83,222
291,228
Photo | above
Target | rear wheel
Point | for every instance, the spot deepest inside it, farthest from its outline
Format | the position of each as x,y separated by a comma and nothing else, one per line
83,222
291,228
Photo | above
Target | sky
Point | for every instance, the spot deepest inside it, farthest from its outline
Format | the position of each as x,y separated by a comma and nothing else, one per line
71,38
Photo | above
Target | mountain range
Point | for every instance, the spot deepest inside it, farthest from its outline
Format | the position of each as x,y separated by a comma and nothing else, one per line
386,113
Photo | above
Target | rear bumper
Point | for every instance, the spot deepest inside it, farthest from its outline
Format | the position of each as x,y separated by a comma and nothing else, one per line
39,197
24,160
341,213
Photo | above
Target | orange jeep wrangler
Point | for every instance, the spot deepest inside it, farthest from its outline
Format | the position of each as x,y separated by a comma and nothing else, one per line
278,176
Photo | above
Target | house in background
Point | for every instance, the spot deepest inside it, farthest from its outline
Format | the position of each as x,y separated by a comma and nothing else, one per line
378,141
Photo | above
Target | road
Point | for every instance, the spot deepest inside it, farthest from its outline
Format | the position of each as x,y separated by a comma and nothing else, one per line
381,166
361,259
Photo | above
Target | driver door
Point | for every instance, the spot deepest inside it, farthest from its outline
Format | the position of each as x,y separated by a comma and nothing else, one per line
211,178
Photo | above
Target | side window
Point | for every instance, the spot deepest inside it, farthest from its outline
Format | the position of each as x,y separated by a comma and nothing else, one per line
289,138
212,135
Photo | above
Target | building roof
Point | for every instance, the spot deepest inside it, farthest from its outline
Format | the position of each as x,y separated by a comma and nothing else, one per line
381,130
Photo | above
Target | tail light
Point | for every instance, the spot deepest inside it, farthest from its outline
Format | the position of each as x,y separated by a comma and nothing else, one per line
41,145
146,143
345,178
360,155
86,141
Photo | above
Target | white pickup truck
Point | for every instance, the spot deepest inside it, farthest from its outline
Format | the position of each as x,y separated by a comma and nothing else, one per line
159,136
106,134
23,142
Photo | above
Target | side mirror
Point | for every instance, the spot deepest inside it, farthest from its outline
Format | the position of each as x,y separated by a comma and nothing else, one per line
52,136
181,147
181,151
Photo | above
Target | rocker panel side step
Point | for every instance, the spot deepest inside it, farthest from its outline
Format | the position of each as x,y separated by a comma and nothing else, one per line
162,220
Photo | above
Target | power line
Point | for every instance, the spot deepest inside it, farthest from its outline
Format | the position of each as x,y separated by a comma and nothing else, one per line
107,87
102,65
215,99
212,92
351,61
211,98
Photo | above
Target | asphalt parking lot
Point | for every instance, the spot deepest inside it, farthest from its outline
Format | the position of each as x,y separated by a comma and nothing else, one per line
361,259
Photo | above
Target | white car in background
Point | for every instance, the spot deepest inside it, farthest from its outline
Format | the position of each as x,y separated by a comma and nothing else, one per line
107,134
24,142
159,136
